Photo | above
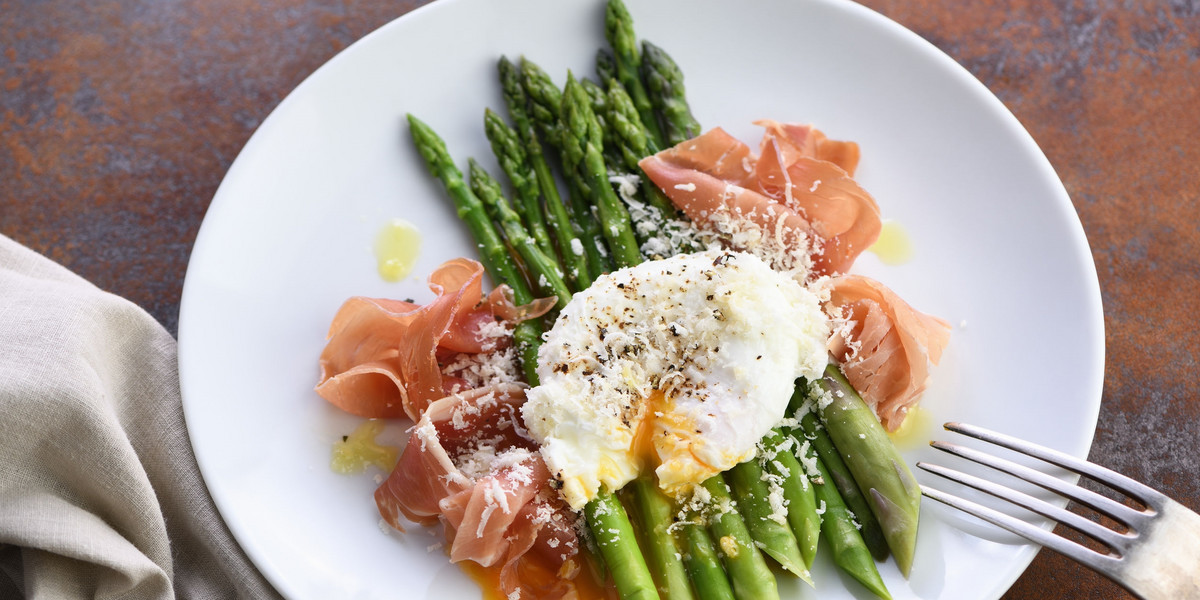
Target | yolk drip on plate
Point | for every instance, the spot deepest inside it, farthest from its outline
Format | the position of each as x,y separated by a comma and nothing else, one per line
678,365
535,574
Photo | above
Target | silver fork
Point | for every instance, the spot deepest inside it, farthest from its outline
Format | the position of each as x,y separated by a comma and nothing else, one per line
1158,557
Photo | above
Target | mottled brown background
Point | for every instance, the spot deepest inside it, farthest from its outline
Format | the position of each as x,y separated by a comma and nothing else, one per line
118,119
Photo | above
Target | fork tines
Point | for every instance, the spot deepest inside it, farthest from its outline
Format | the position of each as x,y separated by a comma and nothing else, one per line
1118,542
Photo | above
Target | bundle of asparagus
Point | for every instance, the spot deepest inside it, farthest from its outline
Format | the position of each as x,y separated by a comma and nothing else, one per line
831,461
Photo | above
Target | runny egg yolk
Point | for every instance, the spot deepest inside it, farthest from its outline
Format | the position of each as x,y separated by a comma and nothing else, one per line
678,365
536,575
643,437
652,435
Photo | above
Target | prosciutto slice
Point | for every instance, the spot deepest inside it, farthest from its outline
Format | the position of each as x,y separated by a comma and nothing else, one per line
798,194
468,465
381,357
886,347
799,140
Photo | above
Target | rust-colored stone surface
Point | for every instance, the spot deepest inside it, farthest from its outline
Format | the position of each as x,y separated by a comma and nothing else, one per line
118,119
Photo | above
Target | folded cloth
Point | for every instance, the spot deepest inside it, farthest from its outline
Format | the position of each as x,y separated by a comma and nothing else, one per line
100,494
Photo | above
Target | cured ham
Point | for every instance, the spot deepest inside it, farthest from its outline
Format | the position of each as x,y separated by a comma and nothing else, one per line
886,347
799,140
381,359
468,465
447,435
796,195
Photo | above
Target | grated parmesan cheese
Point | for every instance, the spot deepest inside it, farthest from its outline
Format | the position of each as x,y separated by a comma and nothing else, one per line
481,370
659,235
740,231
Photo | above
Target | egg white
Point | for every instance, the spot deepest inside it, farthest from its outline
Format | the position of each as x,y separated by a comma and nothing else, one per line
706,345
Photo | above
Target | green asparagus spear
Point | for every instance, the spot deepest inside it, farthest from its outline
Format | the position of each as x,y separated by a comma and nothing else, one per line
543,271
491,249
634,144
656,217
646,223
653,512
618,29
582,148
579,203
703,567
570,248
527,337
781,462
890,488
606,65
767,524
510,153
869,526
610,526
748,572
492,252
850,553
664,86
545,100
628,130
599,99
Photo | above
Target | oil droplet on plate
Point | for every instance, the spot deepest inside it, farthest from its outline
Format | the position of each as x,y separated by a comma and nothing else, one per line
396,249
914,431
355,451
893,246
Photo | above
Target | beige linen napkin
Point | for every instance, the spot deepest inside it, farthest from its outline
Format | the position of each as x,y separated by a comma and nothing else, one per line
100,495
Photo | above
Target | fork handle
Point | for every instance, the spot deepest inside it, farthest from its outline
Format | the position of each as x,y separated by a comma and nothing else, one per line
1166,566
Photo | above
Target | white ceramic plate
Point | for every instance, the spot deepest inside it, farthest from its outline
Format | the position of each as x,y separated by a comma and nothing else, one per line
999,252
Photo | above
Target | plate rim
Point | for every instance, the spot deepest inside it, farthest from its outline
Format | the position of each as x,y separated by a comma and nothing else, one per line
998,108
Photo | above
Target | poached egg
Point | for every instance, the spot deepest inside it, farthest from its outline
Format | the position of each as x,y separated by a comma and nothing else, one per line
679,365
